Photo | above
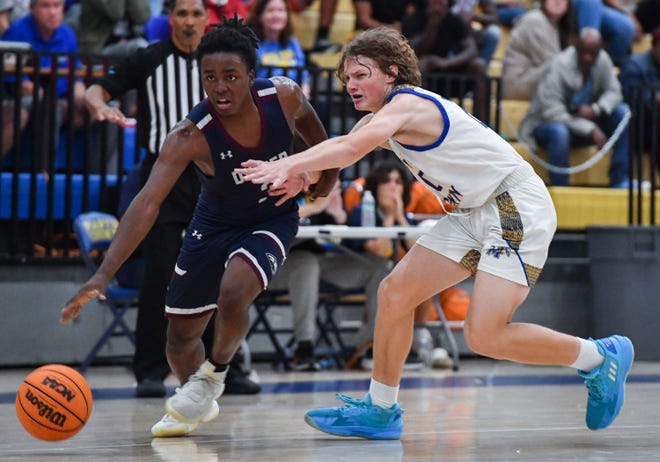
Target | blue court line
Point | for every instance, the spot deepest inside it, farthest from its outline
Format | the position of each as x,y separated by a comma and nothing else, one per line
323,386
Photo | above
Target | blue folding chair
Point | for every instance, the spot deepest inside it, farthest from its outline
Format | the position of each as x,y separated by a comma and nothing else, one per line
94,231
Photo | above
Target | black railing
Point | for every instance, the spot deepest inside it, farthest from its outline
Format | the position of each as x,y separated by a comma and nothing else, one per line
644,151
56,170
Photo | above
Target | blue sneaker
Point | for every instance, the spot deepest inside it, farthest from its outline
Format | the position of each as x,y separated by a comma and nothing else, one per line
606,383
358,418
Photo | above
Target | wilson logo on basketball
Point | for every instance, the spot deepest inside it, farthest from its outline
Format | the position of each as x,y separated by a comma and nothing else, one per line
45,411
58,387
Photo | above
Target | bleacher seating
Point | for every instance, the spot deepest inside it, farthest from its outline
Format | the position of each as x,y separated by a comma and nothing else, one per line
306,23
71,195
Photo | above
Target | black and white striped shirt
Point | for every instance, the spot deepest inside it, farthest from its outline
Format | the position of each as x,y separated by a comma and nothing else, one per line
168,85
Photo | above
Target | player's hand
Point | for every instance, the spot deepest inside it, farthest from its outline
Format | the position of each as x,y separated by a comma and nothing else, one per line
260,172
291,188
95,287
113,115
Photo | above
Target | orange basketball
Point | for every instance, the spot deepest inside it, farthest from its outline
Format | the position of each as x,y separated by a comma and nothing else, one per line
54,402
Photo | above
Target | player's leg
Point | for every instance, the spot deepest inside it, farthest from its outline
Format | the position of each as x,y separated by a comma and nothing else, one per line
185,351
421,274
604,363
416,278
253,255
239,287
488,329
192,403
517,229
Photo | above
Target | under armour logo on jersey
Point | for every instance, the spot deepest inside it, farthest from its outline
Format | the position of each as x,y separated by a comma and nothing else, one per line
226,155
197,234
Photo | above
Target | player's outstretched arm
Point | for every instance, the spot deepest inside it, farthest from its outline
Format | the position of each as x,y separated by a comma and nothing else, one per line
184,144
305,123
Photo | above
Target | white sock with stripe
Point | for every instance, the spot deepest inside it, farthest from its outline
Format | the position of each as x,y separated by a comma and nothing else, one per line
383,395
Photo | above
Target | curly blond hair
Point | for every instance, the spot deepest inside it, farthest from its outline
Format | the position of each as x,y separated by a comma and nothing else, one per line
386,47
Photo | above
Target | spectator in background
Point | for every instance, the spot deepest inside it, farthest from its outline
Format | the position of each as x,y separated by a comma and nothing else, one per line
158,26
165,63
618,26
10,11
481,16
444,44
391,186
644,69
278,48
577,101
538,35
375,13
422,205
301,274
44,31
309,264
112,27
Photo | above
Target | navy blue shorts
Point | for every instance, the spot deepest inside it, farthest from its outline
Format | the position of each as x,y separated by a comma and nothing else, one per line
206,250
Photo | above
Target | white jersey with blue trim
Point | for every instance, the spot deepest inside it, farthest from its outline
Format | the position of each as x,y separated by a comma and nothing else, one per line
466,164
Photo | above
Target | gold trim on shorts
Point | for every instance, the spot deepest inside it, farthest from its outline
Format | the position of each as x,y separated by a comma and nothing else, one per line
470,261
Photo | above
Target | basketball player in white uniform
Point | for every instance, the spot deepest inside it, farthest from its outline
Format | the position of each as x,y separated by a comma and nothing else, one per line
500,221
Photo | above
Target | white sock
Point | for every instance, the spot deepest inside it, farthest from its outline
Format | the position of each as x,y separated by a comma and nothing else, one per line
383,395
589,357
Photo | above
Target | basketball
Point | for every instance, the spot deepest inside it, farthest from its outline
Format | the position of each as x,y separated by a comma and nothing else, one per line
54,402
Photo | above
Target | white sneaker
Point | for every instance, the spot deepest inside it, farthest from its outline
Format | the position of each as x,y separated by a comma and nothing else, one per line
191,402
440,358
168,426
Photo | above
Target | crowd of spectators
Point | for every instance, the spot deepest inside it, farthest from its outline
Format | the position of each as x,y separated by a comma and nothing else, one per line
558,47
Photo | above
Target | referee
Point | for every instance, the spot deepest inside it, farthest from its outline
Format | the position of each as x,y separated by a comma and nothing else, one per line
168,86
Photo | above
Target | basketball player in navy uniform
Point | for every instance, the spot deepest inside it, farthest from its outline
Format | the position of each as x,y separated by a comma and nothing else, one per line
239,235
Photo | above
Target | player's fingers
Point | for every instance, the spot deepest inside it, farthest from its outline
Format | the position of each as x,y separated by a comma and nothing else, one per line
251,163
74,306
248,173
276,191
127,122
283,199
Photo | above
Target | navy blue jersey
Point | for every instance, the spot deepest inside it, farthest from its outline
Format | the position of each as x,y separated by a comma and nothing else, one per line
226,198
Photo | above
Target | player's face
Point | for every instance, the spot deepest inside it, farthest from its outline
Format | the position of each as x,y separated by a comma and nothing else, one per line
227,82
188,21
366,84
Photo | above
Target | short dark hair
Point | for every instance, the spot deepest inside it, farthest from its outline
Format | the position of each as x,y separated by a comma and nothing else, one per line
381,174
168,6
231,36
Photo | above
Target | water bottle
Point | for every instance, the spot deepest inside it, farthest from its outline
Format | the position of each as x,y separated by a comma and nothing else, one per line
368,209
